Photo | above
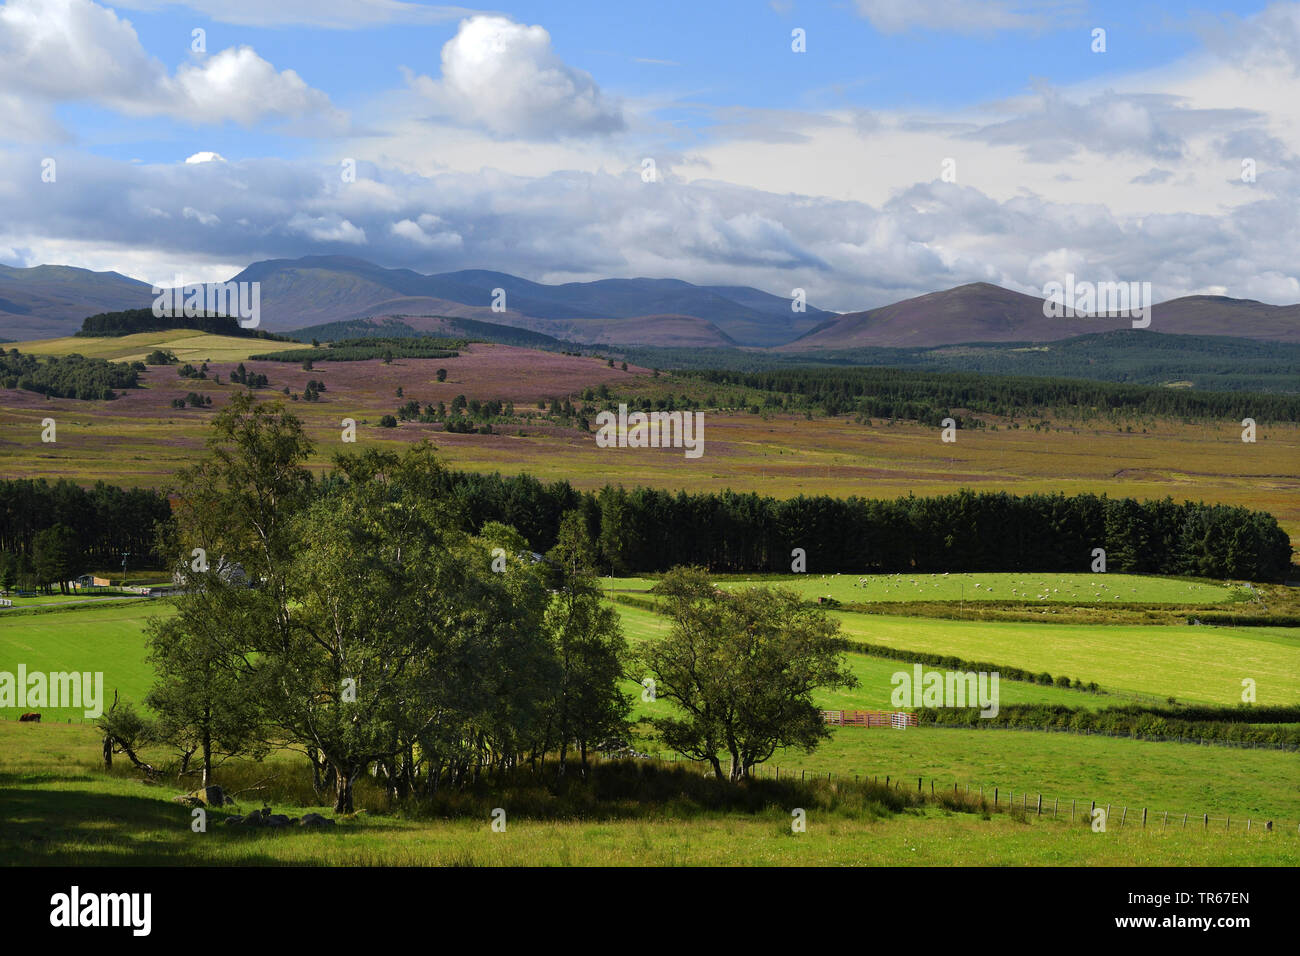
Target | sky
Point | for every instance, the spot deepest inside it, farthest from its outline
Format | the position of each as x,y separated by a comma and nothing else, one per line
861,150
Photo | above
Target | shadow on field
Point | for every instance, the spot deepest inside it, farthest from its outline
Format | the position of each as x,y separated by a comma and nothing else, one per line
632,790
83,828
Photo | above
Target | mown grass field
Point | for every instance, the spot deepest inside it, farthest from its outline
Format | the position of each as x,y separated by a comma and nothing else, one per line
60,808
1034,587
1192,664
99,637
980,586
186,344
874,674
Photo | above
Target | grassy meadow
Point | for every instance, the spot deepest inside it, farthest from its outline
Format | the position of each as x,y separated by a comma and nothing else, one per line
51,776
61,808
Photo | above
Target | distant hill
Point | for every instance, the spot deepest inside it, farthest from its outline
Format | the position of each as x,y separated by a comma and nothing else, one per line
985,313
48,301
320,289
1135,356
316,291
418,326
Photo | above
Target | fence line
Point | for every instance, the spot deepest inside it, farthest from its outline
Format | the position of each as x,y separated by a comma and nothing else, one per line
1053,806
774,772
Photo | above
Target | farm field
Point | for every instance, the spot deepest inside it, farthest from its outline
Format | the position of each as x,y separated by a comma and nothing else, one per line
1160,775
1193,664
39,600
100,637
62,809
874,676
1031,587
187,345
141,440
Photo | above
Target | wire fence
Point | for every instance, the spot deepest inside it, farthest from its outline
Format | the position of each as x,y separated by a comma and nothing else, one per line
999,798
1029,802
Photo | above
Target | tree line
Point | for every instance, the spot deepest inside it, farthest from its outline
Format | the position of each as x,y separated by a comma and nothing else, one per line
1245,726
927,396
648,530
106,520
651,530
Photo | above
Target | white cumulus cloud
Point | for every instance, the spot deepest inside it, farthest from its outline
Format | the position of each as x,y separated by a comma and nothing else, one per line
54,51
505,77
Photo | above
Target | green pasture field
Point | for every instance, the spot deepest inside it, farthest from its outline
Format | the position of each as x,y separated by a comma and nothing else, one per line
874,676
42,599
1022,586
1237,783
848,588
60,808
1194,664
98,637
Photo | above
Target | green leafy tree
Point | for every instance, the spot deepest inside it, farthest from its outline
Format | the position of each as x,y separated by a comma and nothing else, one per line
205,696
588,705
380,593
742,668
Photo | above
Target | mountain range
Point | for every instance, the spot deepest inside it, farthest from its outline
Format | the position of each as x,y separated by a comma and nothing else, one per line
48,301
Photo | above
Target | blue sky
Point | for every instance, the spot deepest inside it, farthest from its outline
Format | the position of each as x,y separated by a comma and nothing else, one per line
514,137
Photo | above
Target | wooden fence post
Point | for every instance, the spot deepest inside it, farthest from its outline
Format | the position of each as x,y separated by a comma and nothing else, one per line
1207,821
1123,816
995,796
1072,802
1144,818
1056,807
1040,805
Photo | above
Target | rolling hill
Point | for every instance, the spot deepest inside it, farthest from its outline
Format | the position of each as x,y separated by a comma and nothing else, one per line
984,313
316,290
45,301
